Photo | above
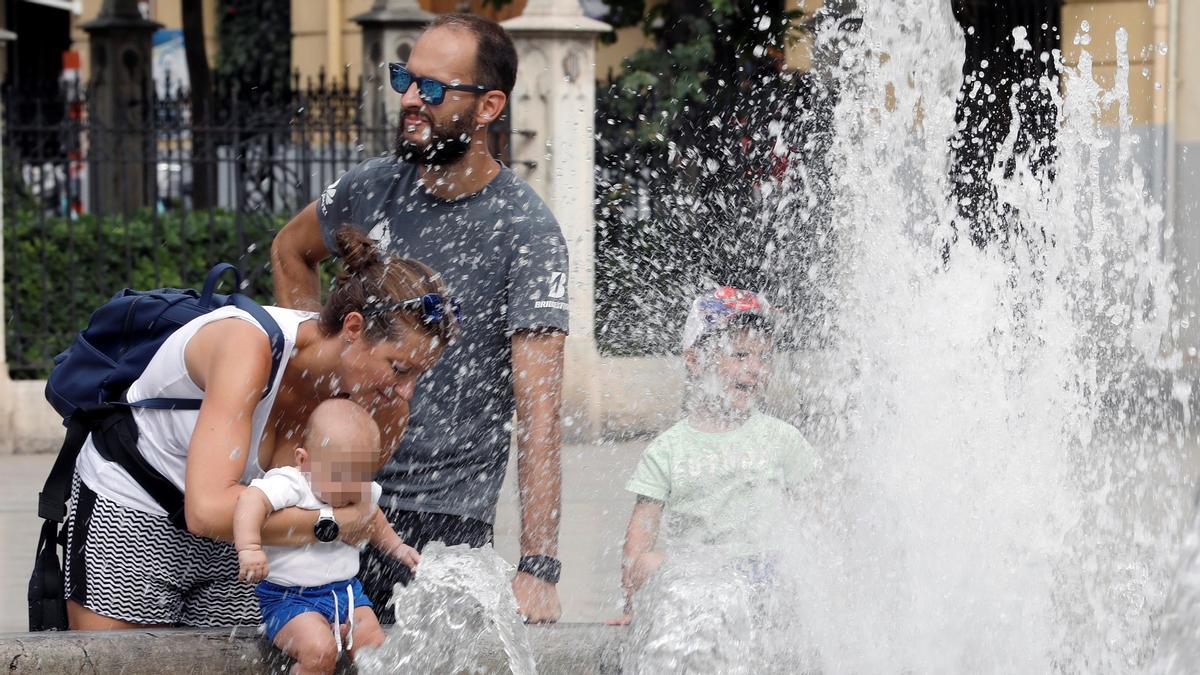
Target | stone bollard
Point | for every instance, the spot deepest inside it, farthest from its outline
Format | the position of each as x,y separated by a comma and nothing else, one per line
557,648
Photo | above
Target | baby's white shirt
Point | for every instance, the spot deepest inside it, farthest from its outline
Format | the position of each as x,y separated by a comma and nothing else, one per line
318,563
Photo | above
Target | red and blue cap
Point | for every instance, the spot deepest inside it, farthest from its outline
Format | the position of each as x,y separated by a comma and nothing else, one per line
712,312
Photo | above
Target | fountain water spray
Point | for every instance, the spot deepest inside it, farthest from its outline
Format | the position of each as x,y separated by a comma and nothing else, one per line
1004,487
459,597
1002,416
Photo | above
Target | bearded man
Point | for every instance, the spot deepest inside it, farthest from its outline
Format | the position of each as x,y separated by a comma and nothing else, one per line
442,199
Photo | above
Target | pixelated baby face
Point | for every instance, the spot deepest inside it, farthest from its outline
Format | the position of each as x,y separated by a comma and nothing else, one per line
341,474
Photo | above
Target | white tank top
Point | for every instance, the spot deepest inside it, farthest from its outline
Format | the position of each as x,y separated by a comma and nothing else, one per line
164,435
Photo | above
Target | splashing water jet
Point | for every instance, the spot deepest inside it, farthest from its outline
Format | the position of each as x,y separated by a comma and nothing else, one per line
458,597
1004,485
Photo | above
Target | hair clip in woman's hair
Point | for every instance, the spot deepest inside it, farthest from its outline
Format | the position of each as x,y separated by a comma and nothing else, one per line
432,306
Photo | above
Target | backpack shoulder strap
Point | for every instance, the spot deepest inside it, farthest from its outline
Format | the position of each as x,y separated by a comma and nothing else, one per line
115,435
46,591
264,319
52,500
274,333
116,439
274,336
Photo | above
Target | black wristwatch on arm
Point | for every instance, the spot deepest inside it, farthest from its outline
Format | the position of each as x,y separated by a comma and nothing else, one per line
543,567
326,528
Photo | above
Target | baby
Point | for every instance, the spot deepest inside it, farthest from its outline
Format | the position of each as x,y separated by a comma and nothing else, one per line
308,593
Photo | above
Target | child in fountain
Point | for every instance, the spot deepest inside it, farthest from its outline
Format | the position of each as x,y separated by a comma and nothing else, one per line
310,596
717,478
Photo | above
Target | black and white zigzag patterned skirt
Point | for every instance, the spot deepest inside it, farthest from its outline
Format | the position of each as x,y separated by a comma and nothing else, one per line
134,566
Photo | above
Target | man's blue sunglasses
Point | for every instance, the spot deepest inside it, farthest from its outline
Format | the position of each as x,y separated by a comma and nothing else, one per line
431,91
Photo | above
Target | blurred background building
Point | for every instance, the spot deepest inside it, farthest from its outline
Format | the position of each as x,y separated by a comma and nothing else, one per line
323,32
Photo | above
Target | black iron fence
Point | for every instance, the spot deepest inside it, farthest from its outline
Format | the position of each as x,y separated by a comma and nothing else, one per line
153,192
94,204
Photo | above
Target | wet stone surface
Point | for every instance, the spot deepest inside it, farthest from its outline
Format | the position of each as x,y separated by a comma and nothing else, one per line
563,648
595,510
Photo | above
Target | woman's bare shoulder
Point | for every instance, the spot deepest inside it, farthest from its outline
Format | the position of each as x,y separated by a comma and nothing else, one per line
230,342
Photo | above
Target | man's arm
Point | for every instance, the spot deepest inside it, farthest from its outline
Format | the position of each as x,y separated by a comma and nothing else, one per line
295,253
537,359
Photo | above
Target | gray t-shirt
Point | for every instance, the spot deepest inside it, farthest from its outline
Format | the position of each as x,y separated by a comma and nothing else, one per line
502,253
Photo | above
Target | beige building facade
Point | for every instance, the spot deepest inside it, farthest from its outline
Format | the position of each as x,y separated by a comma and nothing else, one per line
324,35
169,13
326,38
1147,28
1164,103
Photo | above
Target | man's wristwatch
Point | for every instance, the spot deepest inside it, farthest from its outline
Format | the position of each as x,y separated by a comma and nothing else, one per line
543,567
326,528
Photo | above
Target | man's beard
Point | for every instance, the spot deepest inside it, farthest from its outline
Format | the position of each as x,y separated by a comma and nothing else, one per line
446,144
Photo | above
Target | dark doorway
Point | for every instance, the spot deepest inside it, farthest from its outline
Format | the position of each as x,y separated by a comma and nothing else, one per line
43,34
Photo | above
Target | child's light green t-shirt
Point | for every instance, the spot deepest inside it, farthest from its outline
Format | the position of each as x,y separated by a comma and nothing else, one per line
727,488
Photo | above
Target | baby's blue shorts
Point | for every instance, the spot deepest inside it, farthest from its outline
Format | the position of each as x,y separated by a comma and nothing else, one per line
281,604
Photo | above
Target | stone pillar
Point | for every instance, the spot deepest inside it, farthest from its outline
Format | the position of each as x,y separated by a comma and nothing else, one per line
1184,173
389,31
27,423
553,147
6,393
121,168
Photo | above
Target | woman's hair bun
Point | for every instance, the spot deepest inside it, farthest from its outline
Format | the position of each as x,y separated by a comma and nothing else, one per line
371,280
356,250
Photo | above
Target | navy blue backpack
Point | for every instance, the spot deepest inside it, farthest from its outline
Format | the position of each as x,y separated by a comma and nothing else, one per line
87,387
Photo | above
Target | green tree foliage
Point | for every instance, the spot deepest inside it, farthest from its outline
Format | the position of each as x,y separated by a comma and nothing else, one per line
683,146
255,54
703,56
